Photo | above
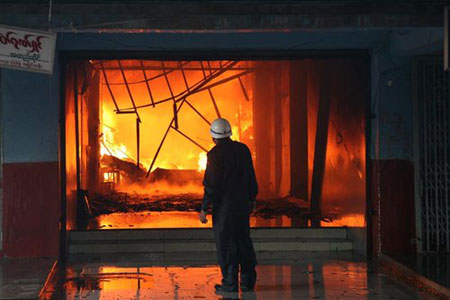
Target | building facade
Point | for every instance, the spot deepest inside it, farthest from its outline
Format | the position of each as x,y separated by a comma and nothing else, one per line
391,37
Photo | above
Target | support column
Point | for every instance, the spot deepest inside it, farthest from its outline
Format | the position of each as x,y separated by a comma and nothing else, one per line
263,122
299,129
93,107
320,149
277,123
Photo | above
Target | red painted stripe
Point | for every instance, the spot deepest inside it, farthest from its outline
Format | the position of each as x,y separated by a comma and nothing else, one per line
393,225
31,209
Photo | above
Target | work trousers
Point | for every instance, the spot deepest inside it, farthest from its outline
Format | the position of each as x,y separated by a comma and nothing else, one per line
234,248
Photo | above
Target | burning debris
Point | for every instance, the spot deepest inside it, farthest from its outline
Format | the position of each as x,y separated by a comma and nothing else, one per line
128,169
188,202
137,133
177,177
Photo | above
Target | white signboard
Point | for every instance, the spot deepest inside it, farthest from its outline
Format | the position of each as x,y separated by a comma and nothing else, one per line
27,50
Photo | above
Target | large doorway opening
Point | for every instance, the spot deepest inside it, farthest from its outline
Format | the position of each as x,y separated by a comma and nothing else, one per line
137,134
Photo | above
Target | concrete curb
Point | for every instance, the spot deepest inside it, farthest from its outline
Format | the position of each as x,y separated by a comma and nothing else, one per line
404,273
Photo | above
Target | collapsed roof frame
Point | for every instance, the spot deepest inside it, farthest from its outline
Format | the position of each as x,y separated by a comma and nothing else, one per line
209,73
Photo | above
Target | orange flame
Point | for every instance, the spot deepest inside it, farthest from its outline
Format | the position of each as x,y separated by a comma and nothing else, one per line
109,143
202,159
177,152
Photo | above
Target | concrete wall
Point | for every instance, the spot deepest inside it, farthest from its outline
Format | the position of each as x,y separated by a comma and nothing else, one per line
220,15
30,163
392,135
30,123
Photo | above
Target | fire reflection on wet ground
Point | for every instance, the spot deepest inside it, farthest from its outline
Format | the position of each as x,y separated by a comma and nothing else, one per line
125,211
148,220
177,219
310,278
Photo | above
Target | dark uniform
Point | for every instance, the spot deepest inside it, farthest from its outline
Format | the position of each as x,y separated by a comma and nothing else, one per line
230,185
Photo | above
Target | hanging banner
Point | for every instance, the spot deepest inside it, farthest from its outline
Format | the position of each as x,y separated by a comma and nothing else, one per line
27,50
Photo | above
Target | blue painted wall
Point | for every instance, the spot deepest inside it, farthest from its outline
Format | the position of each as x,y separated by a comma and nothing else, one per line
262,40
29,116
392,90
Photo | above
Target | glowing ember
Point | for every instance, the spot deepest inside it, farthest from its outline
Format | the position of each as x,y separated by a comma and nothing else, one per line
235,131
202,159
109,177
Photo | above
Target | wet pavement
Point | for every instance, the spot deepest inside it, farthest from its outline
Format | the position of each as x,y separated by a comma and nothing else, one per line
310,276
23,278
435,267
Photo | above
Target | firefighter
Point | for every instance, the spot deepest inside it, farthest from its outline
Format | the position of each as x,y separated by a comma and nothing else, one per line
230,186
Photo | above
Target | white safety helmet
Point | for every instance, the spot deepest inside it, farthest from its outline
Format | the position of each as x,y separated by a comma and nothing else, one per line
220,129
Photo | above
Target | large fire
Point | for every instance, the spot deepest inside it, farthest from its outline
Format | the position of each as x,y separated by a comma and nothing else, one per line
152,119
177,148
110,146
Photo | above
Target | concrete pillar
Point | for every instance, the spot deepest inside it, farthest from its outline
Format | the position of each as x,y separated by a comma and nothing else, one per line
263,124
93,108
271,84
320,148
299,129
